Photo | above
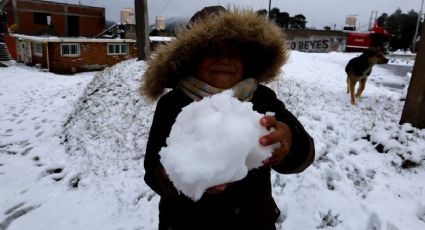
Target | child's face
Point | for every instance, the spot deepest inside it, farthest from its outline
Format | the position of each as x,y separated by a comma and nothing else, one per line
222,68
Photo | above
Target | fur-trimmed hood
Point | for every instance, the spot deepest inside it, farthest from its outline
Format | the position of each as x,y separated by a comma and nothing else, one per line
261,42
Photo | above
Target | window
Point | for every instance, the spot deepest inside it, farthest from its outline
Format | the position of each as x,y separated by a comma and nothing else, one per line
117,49
41,18
70,50
38,49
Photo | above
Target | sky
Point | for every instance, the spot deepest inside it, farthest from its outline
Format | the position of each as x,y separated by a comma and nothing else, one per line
72,149
319,13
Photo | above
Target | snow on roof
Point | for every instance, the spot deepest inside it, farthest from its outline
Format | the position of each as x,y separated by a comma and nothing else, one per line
85,39
160,39
68,39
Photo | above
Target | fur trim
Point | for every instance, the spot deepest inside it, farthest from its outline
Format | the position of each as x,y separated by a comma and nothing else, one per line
262,44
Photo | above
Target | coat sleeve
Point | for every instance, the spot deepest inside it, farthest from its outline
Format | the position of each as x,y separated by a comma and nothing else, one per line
155,176
302,152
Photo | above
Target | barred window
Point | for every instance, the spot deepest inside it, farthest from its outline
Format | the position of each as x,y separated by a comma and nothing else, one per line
70,50
117,49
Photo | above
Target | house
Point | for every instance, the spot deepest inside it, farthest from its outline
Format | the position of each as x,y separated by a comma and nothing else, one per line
70,55
60,37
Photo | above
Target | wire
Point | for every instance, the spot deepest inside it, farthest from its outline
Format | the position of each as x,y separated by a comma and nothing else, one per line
163,8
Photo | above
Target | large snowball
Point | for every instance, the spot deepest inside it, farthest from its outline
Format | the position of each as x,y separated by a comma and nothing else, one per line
213,141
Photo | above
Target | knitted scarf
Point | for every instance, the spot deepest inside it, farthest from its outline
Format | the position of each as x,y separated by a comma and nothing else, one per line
196,89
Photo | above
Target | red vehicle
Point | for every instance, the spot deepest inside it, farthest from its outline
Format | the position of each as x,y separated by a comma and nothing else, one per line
376,37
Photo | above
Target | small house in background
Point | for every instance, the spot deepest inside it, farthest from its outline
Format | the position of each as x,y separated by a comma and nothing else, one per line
70,55
64,38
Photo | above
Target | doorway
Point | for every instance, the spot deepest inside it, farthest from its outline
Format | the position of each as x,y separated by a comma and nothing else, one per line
73,26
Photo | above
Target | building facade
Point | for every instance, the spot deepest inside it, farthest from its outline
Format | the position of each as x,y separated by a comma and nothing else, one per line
62,38
35,17
71,55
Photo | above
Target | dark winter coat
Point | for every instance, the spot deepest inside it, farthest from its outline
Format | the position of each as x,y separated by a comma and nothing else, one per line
248,203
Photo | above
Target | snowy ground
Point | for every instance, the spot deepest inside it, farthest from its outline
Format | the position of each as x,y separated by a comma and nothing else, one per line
72,148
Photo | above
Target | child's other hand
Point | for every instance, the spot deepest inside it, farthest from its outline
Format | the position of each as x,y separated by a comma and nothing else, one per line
217,189
282,134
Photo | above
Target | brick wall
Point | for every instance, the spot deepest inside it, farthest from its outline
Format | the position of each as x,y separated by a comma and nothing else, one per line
93,56
91,19
91,27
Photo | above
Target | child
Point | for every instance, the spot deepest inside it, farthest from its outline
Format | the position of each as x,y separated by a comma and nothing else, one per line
219,50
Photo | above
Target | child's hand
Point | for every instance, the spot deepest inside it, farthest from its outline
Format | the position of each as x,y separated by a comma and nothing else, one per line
282,134
217,189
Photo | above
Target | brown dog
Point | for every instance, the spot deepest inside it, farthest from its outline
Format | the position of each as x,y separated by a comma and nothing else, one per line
359,68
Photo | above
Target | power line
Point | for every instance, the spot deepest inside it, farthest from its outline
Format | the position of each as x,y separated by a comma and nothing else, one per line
417,27
164,7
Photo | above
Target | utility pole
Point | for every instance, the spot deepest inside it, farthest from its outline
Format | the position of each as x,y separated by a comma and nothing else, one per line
372,20
417,27
142,32
15,14
270,5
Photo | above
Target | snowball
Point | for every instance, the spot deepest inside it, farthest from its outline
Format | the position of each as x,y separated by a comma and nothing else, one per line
213,141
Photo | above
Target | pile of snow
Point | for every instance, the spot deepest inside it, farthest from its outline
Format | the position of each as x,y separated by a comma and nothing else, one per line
107,132
403,52
213,141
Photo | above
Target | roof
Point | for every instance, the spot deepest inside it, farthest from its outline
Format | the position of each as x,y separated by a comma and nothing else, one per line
45,39
68,39
160,39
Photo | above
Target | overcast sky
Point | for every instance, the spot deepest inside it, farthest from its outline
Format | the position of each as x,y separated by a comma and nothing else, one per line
319,13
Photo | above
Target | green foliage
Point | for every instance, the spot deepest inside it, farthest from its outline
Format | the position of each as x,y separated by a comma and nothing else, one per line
298,22
262,12
382,20
284,20
402,26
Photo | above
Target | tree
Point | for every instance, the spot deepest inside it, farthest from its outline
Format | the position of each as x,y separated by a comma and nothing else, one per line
382,20
298,22
262,12
402,26
414,107
274,12
283,20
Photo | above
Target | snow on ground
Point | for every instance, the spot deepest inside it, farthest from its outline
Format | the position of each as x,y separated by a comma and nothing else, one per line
72,148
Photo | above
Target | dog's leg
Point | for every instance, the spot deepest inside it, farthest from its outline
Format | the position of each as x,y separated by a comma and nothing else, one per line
348,83
352,83
362,85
